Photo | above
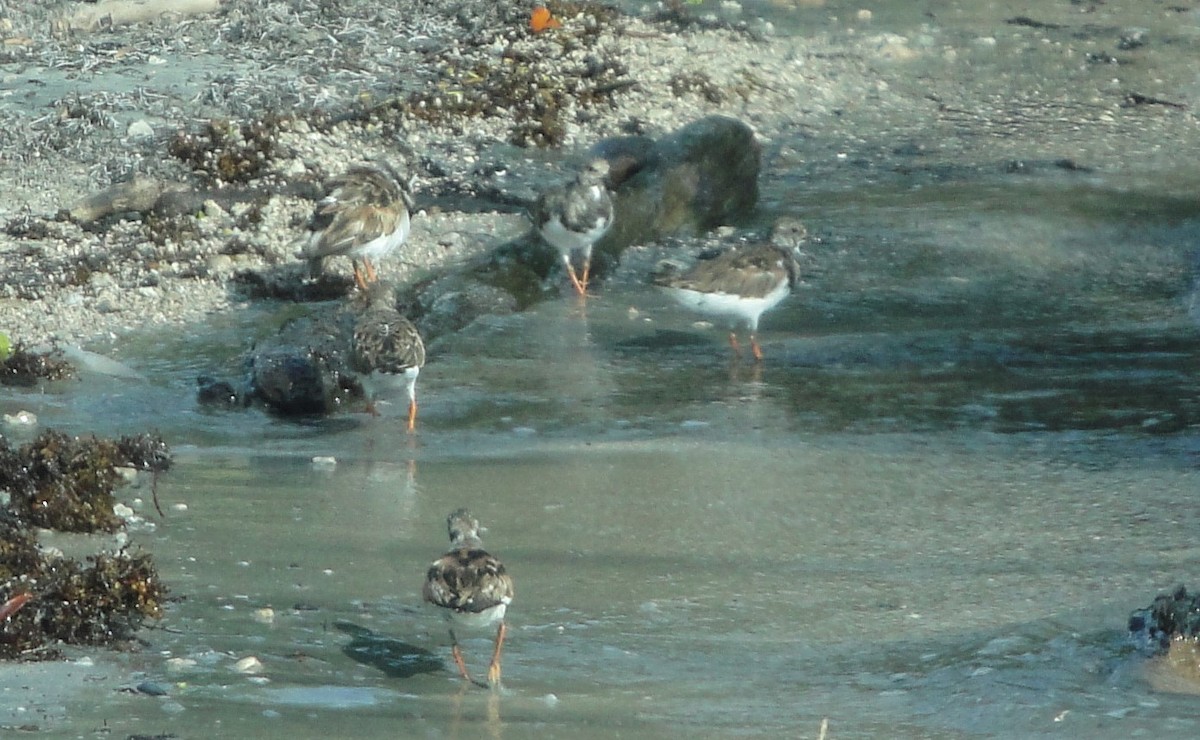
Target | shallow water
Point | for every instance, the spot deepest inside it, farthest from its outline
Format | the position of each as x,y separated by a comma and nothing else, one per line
699,548
971,452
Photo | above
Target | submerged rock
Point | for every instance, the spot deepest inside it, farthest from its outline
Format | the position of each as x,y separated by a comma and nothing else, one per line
305,368
302,370
702,176
1169,617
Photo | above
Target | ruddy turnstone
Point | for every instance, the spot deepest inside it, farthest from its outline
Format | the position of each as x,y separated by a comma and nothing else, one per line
472,587
573,217
739,284
364,216
387,349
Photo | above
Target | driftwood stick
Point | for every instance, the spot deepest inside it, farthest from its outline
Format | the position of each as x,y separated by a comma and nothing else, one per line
148,195
109,13
139,194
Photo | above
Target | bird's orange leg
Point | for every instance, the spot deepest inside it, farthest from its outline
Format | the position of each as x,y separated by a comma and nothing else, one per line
358,278
757,350
494,667
372,276
456,651
412,414
733,342
587,268
580,288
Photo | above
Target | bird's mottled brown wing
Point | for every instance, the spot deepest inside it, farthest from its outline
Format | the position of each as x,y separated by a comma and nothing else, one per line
467,580
347,226
752,272
547,204
385,341
575,204
360,205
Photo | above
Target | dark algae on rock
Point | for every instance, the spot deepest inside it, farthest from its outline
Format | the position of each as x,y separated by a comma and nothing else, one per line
1170,616
25,368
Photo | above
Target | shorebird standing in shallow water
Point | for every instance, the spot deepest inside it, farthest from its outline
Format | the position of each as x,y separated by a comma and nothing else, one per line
364,215
739,284
573,217
472,588
387,349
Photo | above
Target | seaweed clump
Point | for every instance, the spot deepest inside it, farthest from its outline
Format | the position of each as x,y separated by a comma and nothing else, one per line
225,152
25,368
61,600
66,483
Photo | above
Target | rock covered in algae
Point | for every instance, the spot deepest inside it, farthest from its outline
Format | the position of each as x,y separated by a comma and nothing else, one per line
1169,617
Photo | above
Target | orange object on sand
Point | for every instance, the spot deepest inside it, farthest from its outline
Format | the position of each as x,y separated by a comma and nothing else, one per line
11,606
540,19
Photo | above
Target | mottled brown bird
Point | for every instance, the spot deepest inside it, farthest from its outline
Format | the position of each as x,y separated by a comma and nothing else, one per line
739,284
472,588
364,215
387,350
573,217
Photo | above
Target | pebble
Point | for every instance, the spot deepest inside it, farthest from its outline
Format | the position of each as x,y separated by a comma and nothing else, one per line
140,130
249,664
324,462
21,419
152,688
266,615
123,511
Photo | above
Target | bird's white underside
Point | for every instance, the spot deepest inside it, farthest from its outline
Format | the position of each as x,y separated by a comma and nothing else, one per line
567,241
386,244
478,620
730,306
379,384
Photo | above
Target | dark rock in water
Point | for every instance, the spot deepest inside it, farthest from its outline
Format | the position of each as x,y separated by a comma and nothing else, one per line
152,688
1170,616
304,369
448,304
212,391
702,176
295,382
